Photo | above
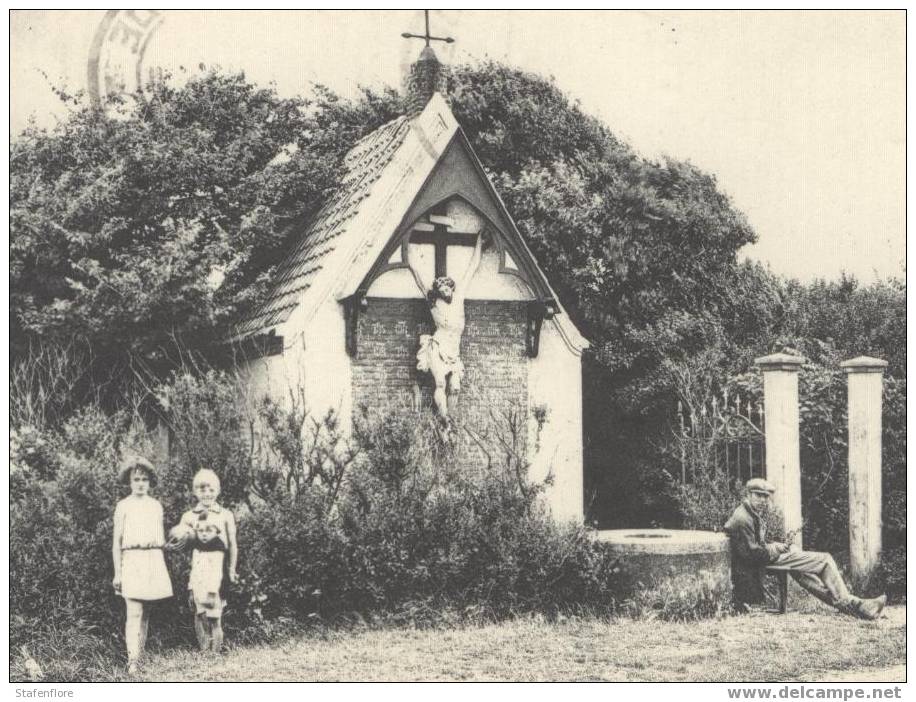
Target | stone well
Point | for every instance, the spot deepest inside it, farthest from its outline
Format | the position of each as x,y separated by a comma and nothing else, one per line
652,558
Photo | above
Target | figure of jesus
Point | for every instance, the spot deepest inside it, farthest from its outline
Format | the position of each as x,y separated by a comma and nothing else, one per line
439,352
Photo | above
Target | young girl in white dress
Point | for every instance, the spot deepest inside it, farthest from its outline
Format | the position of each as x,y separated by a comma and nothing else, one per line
140,575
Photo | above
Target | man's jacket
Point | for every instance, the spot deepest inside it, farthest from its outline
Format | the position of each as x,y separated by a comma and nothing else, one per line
750,554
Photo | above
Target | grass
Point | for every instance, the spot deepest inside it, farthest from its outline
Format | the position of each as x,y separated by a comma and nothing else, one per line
798,646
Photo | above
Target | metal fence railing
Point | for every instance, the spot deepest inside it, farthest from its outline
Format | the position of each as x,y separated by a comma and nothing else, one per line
725,434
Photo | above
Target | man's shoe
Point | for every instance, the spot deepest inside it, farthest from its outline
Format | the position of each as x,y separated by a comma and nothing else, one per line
850,606
871,609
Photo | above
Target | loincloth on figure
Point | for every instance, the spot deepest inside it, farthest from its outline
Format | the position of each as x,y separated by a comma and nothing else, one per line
432,347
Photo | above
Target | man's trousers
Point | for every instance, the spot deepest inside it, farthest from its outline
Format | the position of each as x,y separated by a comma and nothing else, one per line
817,573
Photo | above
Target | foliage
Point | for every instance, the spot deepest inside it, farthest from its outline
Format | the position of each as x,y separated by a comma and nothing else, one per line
217,174
211,426
893,465
207,176
162,221
410,531
45,383
309,451
849,318
831,322
642,253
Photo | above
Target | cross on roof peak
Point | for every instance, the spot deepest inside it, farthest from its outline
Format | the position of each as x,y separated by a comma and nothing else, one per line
426,36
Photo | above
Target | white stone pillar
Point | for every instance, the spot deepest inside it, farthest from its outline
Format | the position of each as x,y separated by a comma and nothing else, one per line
865,382
780,406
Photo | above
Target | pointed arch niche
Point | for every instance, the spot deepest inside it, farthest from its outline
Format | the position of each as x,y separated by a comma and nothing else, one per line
442,241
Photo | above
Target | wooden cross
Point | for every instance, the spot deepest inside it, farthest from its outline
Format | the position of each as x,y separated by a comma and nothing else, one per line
441,238
427,37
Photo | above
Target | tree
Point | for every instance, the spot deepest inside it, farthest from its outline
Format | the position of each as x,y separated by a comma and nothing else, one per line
643,254
163,221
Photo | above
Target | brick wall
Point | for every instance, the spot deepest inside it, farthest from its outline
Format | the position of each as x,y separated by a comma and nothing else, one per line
492,349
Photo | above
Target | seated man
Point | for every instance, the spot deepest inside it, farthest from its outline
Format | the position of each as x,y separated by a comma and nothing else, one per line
816,572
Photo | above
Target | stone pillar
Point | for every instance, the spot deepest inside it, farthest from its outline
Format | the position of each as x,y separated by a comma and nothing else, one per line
780,405
865,380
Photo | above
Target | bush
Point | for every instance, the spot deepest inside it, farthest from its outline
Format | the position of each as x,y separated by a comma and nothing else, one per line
60,521
291,555
411,534
211,426
894,464
64,613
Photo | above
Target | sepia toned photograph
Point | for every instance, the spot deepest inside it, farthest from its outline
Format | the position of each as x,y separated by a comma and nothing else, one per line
458,346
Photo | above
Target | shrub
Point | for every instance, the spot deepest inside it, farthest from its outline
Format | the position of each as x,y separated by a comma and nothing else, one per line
211,426
89,453
411,533
894,464
32,455
292,560
60,528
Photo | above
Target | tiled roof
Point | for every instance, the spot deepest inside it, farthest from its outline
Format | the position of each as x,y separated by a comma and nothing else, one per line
363,165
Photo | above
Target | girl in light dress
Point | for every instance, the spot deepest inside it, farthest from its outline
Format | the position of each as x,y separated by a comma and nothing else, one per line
140,574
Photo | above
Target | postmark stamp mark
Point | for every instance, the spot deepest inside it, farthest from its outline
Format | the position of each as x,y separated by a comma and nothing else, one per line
116,55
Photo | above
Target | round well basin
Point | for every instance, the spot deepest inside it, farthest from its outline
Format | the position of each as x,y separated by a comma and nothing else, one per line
650,558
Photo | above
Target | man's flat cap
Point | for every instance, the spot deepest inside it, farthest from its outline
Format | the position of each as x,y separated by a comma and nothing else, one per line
760,485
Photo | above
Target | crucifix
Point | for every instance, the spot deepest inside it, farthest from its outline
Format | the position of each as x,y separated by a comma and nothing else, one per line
427,37
440,352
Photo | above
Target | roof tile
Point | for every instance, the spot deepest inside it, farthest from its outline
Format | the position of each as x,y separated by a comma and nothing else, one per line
363,166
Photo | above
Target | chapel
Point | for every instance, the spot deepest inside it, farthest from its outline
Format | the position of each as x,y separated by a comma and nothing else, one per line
346,315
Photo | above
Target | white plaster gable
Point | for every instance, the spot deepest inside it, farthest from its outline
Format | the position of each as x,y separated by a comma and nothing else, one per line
390,197
384,209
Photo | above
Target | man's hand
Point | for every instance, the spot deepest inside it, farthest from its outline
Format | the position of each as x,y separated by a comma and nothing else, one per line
233,577
775,550
116,584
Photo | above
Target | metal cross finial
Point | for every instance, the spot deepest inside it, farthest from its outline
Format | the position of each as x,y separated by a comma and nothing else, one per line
427,36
